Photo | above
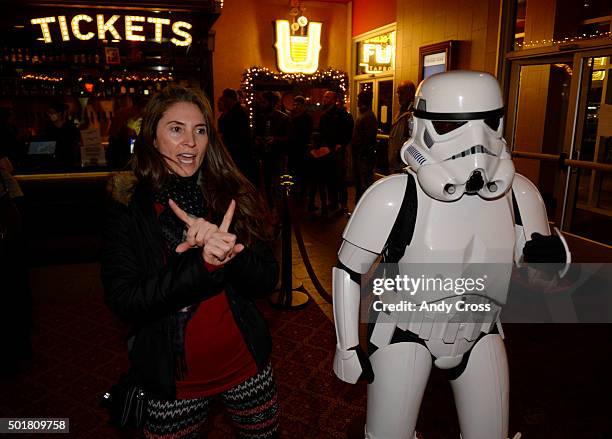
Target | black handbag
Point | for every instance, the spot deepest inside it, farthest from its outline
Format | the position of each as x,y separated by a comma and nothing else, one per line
126,403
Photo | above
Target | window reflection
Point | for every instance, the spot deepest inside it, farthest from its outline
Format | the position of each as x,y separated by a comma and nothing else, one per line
539,127
591,213
571,21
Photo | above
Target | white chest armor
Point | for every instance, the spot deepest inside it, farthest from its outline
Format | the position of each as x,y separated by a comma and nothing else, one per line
452,240
469,230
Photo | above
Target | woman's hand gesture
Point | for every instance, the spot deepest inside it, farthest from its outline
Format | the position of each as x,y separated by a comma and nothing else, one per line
219,246
198,229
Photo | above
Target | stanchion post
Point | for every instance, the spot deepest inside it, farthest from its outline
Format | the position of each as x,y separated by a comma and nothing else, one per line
288,297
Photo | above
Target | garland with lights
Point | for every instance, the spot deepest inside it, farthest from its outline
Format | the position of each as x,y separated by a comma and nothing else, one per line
120,77
113,78
40,77
254,74
552,42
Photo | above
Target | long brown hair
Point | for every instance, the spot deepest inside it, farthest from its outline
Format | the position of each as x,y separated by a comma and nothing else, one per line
221,181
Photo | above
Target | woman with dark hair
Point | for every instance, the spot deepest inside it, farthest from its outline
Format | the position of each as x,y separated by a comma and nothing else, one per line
185,254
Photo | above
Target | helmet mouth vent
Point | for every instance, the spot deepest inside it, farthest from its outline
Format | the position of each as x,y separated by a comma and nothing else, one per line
477,149
416,155
474,183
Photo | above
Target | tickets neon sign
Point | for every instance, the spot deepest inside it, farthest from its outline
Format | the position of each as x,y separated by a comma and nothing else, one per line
84,27
297,53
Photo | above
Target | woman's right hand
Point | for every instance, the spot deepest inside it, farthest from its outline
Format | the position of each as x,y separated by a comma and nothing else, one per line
218,245
199,230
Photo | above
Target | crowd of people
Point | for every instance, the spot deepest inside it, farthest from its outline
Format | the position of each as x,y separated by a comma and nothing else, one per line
321,145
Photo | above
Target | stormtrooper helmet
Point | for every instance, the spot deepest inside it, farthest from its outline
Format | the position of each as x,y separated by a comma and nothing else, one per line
456,146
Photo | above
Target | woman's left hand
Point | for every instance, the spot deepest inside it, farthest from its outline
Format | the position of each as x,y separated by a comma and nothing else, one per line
221,247
218,245
199,230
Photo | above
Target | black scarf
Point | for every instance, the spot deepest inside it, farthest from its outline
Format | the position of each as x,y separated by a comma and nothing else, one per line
187,194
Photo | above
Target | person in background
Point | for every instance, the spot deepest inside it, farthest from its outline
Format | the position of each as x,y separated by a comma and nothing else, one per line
363,144
301,131
221,106
186,252
123,132
400,129
242,99
12,144
65,133
8,183
16,309
329,135
272,128
345,128
236,133
123,108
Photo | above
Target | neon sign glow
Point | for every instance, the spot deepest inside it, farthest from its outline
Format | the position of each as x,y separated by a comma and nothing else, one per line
134,26
297,53
377,54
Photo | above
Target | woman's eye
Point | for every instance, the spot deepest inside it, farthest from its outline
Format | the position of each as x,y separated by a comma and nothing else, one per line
201,131
175,129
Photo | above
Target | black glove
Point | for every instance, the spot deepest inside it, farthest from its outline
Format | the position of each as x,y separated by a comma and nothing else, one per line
544,249
367,374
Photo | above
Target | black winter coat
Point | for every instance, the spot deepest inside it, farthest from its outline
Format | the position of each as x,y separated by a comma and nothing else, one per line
144,285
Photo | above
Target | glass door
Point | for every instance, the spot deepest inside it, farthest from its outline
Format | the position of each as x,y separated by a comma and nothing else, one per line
382,104
559,127
536,123
589,212
365,86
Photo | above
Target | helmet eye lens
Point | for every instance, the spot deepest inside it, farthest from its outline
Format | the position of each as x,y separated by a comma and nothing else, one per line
493,122
446,126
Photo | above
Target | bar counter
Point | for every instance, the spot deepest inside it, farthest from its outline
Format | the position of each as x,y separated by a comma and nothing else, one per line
64,215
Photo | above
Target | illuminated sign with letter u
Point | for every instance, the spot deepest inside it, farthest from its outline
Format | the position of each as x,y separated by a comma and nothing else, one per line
297,53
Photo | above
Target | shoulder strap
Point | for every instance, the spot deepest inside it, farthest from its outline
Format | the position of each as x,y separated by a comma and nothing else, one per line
403,228
517,213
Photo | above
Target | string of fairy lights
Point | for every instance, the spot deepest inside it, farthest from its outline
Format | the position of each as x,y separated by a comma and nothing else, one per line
255,74
566,40
141,77
41,77
124,77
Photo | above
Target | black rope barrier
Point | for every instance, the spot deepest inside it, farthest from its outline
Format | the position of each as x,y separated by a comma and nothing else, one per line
311,273
288,297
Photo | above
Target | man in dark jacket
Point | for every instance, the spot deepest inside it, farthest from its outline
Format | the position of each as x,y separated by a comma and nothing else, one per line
272,129
299,141
65,133
363,145
334,133
400,129
236,133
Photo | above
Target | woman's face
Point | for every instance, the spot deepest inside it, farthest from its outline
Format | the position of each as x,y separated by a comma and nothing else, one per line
182,138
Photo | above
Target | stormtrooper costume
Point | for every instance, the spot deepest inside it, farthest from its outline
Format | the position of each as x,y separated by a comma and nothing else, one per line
459,201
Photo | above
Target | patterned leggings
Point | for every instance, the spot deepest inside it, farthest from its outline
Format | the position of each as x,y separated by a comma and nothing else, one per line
252,406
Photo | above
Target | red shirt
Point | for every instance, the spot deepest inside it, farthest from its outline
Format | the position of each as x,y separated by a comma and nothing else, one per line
217,356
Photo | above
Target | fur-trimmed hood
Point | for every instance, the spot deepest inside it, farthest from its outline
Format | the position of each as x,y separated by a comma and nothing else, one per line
120,186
